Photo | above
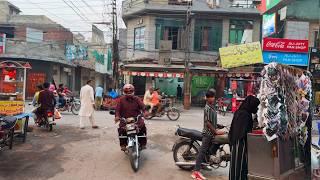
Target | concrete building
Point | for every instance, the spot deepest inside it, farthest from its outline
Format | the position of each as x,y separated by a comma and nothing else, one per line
156,41
41,42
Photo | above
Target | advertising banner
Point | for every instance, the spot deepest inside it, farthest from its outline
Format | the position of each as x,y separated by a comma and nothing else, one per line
2,43
271,3
10,108
296,59
268,24
285,45
241,55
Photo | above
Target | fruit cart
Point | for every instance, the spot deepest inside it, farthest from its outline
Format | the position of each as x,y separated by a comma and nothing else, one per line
13,93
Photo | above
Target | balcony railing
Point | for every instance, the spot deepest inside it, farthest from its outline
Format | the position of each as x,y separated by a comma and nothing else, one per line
243,3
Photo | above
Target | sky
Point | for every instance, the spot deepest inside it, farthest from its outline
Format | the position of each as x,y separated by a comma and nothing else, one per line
77,15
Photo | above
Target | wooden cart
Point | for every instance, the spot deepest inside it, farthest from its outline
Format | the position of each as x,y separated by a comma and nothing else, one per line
13,93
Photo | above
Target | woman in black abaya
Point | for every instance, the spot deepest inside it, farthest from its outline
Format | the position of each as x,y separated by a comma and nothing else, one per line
242,124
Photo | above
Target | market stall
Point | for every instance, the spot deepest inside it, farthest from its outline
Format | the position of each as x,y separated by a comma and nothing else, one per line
285,94
12,94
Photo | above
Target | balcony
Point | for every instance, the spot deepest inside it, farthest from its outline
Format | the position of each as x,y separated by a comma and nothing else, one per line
132,8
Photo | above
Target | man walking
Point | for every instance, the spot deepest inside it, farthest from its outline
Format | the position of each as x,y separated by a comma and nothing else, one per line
87,105
98,100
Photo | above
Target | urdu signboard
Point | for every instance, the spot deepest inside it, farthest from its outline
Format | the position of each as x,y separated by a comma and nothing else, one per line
241,55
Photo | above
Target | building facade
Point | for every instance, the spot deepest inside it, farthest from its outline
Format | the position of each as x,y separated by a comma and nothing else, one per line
157,42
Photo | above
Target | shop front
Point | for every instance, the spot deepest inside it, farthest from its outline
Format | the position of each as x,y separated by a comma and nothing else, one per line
284,131
167,82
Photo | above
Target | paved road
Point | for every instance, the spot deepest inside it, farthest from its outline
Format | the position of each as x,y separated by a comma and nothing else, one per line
71,153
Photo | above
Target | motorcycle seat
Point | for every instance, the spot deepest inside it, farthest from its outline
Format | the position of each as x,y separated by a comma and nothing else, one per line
190,133
221,139
8,122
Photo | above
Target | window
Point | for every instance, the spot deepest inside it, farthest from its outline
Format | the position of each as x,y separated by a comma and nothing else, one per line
173,34
240,31
139,38
171,30
34,35
207,35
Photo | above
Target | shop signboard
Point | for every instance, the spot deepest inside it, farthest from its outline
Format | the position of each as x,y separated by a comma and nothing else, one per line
76,52
285,45
2,43
268,24
271,3
296,59
11,107
241,55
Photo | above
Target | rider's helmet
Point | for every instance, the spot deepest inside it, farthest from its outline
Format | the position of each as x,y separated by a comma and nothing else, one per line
128,89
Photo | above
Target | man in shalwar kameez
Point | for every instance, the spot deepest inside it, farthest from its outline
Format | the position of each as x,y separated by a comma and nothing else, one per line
87,105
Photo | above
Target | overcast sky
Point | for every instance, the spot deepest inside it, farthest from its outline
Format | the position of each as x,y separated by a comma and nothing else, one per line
77,15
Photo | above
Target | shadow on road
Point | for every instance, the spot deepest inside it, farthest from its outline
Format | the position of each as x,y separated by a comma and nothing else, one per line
36,159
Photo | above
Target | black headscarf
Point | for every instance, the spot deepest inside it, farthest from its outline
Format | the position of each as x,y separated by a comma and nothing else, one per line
242,122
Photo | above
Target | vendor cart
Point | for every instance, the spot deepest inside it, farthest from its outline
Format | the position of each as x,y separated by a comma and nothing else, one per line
279,151
13,93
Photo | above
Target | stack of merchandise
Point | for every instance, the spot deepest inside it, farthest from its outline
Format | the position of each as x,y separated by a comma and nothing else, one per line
285,94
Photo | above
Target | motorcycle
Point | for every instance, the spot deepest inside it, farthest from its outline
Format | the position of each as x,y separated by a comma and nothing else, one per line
222,106
186,149
167,109
133,148
315,161
46,121
7,125
72,105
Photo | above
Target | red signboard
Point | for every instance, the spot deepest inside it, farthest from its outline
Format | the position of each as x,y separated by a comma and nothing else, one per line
285,45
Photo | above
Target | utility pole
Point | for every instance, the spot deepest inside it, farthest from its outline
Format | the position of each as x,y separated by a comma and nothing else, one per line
115,47
187,75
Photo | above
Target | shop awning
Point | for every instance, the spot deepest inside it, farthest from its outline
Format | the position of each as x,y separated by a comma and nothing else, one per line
154,74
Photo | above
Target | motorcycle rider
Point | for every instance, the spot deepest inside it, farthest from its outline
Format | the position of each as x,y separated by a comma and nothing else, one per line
147,98
130,106
209,132
46,100
61,93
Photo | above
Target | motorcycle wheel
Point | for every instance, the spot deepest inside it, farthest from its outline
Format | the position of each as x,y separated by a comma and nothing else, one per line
75,108
185,153
134,159
173,114
50,127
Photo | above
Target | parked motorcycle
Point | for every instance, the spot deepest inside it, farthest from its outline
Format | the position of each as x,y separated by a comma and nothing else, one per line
72,105
167,109
7,124
133,148
186,149
315,161
46,121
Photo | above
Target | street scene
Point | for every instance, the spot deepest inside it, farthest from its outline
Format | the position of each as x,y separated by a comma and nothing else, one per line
160,89
70,153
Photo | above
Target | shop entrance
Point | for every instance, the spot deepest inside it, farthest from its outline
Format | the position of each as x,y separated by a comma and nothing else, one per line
33,80
139,83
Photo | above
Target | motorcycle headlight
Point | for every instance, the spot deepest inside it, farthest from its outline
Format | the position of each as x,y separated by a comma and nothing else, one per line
130,127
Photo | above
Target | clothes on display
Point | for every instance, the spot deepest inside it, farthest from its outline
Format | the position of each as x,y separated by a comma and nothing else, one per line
285,94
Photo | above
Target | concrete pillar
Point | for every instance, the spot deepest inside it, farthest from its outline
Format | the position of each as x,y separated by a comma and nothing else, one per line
225,32
187,91
256,30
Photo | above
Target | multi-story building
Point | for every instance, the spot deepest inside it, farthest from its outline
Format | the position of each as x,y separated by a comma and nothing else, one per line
157,42
44,43
41,42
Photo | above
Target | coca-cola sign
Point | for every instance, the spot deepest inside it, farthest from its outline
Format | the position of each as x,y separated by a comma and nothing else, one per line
285,45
